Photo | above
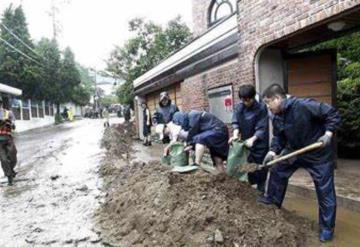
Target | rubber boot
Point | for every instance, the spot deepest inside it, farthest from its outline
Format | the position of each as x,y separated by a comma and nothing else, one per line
199,153
261,187
264,200
326,235
10,180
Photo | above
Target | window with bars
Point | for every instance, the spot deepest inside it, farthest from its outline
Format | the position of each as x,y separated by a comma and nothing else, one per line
220,9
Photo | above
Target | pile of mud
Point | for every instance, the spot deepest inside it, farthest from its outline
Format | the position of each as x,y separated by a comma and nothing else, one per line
147,205
117,140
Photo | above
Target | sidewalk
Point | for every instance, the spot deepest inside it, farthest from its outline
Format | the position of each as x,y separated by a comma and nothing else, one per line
347,183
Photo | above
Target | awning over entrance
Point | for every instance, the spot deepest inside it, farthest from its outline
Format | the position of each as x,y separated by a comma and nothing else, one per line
216,46
331,28
303,72
10,90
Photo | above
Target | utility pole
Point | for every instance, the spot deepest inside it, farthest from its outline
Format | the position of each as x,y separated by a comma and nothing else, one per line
95,91
53,13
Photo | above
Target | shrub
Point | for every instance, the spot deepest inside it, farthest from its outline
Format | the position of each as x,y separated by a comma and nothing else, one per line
348,97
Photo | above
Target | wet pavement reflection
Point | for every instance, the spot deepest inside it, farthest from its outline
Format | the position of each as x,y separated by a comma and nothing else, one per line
347,231
56,192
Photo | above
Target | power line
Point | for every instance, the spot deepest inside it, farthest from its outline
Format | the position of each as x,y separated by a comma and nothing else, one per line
19,39
20,52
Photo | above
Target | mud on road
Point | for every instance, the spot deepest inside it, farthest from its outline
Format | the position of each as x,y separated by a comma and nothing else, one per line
53,200
147,205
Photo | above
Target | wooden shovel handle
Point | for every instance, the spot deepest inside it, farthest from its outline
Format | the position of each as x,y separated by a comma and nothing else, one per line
295,153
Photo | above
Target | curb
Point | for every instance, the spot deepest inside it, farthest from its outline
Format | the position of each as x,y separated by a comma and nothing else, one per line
343,202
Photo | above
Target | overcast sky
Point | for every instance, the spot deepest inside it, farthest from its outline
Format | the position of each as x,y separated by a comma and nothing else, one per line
92,27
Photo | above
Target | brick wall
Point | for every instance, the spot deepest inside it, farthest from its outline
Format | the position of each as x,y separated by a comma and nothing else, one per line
200,16
194,89
261,22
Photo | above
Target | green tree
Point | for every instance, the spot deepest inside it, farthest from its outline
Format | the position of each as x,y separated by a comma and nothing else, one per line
82,92
50,84
15,69
348,87
151,44
42,71
81,95
108,100
69,76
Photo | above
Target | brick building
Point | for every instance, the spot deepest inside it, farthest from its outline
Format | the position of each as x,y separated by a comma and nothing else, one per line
251,41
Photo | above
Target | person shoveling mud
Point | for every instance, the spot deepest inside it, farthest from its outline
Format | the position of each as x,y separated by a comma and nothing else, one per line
297,123
252,167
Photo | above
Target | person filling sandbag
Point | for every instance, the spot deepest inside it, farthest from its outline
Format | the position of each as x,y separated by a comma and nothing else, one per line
250,122
203,130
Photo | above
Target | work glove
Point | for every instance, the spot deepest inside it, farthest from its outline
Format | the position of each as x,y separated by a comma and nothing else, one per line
269,157
235,137
326,138
232,139
249,143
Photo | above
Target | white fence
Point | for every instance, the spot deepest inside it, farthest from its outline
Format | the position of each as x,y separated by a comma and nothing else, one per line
32,114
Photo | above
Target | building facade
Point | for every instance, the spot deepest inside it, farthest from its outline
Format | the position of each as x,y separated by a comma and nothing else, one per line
251,41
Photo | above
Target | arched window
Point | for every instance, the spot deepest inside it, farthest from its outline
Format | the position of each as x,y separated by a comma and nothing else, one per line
220,9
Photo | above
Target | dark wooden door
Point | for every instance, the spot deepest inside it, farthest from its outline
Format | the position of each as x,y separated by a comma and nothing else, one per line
312,75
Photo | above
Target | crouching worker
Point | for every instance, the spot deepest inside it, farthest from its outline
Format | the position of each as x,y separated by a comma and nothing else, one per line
203,130
298,123
250,122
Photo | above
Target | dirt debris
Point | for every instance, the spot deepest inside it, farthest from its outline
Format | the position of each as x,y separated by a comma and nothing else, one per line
117,140
154,207
148,205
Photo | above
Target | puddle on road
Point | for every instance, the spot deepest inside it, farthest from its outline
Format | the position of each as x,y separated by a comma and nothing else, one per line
347,231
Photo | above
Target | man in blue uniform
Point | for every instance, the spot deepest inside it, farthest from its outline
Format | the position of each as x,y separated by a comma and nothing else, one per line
202,129
298,123
165,112
250,122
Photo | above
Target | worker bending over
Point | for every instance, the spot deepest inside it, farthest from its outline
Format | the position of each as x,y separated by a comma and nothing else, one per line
202,129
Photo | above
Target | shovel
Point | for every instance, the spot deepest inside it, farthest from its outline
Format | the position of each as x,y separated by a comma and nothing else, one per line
255,167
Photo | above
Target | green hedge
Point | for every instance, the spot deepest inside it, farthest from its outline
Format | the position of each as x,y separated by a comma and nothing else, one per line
348,101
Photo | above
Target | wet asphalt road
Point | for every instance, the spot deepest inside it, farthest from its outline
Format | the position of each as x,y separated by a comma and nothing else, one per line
53,200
